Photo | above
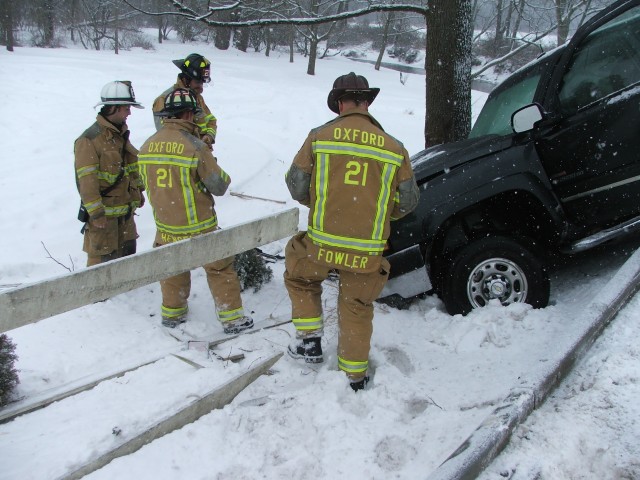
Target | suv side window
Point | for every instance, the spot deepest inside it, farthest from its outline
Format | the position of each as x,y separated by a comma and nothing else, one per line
605,63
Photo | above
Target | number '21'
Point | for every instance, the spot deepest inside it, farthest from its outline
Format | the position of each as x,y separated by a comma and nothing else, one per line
163,176
356,173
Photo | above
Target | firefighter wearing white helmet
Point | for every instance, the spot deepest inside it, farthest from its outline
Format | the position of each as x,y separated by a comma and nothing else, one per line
106,167
195,72
182,176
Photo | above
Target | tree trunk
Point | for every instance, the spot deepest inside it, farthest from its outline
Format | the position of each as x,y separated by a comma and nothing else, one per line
116,32
313,53
516,26
72,19
497,40
448,67
160,18
562,18
223,38
243,42
223,34
267,41
7,23
385,39
48,29
292,35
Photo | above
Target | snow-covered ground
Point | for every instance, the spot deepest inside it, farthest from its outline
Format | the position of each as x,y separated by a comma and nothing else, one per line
436,376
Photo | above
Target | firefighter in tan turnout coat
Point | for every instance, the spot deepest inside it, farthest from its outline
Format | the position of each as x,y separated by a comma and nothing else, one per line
181,176
106,167
355,178
195,72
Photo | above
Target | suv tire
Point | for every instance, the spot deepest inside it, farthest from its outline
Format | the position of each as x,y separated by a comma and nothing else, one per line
494,267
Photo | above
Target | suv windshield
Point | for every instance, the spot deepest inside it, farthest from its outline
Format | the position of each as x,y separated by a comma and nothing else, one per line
495,116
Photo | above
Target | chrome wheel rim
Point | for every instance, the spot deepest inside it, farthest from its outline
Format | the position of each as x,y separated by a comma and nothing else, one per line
496,278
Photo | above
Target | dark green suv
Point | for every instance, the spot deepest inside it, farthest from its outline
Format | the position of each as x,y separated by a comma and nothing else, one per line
552,164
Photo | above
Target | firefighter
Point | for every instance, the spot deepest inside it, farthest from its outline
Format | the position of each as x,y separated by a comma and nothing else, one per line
195,72
181,176
106,167
355,178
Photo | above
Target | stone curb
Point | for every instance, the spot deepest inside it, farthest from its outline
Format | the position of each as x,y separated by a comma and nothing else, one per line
493,434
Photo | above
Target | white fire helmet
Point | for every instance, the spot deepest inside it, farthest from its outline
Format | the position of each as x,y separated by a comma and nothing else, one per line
119,92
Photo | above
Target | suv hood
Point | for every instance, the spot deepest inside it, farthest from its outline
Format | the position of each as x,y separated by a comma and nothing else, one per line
439,159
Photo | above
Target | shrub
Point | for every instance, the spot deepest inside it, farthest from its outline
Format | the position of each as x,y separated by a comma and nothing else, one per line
8,374
137,40
252,270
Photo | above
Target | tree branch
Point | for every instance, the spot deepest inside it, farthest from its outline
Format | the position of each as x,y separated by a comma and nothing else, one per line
184,11
59,263
526,43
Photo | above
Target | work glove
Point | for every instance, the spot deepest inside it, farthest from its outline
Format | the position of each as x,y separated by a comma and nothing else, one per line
209,140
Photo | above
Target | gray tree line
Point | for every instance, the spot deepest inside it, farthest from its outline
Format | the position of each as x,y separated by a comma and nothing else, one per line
460,39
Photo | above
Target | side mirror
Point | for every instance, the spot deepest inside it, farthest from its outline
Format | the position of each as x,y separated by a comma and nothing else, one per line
526,117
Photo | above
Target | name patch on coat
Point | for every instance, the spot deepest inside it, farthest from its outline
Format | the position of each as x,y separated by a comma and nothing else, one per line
358,136
166,147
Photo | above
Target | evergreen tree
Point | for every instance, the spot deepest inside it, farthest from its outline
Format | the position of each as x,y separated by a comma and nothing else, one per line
8,373
252,270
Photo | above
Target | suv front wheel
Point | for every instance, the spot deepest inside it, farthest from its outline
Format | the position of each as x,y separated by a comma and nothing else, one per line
494,268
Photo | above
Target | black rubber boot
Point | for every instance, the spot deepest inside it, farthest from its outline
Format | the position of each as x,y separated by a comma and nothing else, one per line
310,349
360,384
238,326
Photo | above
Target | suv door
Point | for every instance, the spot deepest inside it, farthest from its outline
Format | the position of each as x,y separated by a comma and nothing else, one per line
591,150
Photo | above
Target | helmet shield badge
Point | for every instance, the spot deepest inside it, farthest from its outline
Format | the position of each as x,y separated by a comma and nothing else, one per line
119,92
178,101
195,67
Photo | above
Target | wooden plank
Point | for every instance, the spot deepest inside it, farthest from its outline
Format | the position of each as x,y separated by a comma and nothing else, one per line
30,303
46,398
218,398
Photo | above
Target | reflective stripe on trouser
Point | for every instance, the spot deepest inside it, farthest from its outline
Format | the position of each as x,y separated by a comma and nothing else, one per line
355,318
304,325
230,315
357,291
174,313
353,369
303,280
116,240
223,285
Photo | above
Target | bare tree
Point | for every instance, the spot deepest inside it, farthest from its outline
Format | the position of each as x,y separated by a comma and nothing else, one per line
448,65
7,23
102,24
162,23
43,15
388,22
519,10
72,13
566,11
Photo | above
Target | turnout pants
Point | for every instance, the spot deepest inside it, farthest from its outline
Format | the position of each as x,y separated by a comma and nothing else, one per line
303,279
117,239
223,285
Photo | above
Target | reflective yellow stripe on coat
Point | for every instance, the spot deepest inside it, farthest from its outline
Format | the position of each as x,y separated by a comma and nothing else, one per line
390,161
184,164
